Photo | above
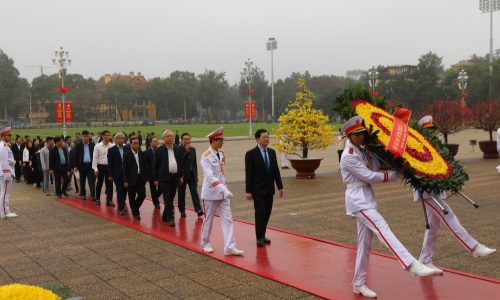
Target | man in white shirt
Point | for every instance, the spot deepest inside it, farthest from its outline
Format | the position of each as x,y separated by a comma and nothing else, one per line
100,167
134,177
167,173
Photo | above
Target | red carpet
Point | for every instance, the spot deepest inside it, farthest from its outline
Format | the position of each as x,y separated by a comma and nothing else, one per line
317,266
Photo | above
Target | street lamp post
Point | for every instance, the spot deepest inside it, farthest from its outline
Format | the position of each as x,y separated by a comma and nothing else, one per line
373,79
272,45
248,73
61,58
490,6
462,85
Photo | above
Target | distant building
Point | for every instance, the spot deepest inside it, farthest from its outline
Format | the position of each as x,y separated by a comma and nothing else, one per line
109,109
462,64
406,71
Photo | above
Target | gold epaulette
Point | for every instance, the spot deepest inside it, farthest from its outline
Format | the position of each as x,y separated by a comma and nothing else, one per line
207,153
223,154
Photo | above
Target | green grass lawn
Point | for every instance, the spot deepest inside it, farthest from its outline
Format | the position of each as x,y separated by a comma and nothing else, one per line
240,129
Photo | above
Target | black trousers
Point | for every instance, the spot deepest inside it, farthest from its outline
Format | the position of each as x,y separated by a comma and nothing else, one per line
138,189
155,192
263,206
193,189
75,181
18,169
58,175
103,178
169,188
27,173
86,172
121,193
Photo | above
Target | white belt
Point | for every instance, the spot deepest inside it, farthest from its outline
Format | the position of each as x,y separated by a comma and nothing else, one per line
356,185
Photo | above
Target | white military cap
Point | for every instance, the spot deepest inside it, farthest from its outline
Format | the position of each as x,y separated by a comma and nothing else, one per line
354,124
5,130
426,122
217,134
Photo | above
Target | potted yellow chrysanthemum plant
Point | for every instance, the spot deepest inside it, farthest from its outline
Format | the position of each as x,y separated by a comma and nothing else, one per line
302,129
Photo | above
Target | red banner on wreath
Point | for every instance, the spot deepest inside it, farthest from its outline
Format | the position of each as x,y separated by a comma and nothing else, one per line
247,110
399,133
68,111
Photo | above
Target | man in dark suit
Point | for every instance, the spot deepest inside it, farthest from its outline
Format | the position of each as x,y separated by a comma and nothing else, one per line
59,165
134,177
18,157
115,170
167,173
150,155
190,168
82,162
139,137
261,172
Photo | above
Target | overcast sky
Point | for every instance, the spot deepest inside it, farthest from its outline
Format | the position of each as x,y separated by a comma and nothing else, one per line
157,37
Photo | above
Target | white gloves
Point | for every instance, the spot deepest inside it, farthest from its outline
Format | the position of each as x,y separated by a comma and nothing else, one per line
228,194
400,175
12,163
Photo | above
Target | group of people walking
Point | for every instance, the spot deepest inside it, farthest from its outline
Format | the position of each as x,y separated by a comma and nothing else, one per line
168,169
172,167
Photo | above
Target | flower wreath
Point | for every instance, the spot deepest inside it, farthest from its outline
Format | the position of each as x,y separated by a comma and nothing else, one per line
426,162
419,153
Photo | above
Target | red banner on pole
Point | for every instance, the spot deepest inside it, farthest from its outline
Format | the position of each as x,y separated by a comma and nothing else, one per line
59,112
247,110
68,111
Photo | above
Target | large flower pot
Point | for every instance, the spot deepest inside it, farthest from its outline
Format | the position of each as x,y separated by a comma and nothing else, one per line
489,149
453,148
305,167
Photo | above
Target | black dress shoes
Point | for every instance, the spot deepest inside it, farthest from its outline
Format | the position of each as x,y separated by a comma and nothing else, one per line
200,214
122,212
65,194
183,214
267,241
98,202
171,223
110,203
137,217
84,197
260,243
157,206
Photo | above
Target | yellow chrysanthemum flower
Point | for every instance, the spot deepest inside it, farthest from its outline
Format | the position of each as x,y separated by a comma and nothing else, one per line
19,291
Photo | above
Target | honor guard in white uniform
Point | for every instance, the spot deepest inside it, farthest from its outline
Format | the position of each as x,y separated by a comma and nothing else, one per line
215,194
359,168
7,163
435,216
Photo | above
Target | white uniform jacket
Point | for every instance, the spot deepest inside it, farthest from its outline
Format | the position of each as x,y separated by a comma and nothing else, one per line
6,159
361,168
214,180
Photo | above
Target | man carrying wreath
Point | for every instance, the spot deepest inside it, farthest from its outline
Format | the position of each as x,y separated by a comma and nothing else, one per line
359,168
435,216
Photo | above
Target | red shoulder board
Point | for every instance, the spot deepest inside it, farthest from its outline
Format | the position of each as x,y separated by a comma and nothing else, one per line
351,151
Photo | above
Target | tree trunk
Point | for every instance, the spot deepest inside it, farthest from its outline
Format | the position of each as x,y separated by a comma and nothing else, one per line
305,150
445,135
